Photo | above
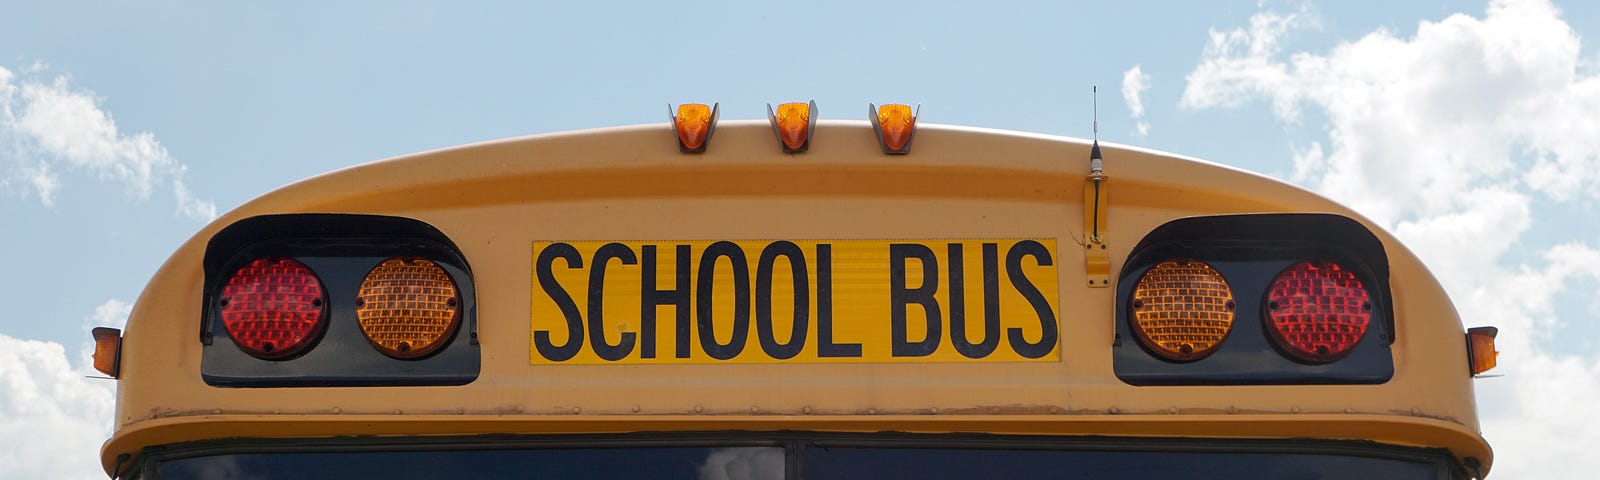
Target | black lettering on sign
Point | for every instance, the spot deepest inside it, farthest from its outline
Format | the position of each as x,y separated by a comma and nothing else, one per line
802,300
651,297
826,348
901,297
741,300
569,309
1047,317
991,303
597,284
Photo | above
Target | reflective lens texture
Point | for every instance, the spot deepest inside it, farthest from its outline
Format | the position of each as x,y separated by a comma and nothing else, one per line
273,308
1182,309
1317,311
407,307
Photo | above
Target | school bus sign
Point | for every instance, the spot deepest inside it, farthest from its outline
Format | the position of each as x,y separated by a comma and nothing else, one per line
794,301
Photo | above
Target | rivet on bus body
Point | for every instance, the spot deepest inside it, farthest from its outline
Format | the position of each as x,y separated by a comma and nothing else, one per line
754,409
872,411
1294,409
337,410
635,409
1232,410
933,411
1113,411
1348,411
461,411
1172,410
576,410
806,410
1416,412
698,409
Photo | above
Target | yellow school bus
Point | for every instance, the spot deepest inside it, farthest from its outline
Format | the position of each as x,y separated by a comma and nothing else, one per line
794,298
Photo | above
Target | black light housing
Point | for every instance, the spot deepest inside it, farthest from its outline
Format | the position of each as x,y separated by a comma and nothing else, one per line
340,250
1251,251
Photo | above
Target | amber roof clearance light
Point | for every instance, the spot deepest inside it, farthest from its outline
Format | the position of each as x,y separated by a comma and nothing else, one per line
895,125
694,124
794,123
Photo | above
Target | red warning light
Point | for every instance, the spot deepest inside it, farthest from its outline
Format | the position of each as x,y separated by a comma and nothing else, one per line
1318,311
273,307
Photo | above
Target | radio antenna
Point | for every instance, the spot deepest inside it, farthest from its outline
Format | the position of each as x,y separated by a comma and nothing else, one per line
1096,163
1097,260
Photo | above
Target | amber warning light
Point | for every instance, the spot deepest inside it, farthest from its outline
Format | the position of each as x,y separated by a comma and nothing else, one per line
1182,309
895,124
408,307
792,123
694,123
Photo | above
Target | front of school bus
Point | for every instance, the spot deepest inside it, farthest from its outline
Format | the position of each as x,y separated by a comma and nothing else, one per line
791,304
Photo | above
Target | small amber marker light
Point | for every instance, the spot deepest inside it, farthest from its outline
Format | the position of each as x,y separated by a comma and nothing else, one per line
694,122
895,124
1480,348
792,123
107,350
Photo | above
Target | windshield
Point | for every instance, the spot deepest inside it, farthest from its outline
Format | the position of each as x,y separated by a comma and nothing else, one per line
803,458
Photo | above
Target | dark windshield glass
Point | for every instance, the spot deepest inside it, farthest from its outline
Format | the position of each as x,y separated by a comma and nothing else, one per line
879,463
599,463
822,460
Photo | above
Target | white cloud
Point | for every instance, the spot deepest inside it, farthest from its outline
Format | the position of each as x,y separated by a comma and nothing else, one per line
1239,64
51,416
48,129
53,413
1448,137
113,313
1134,84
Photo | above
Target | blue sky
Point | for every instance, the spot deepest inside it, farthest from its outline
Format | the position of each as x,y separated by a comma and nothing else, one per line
1468,128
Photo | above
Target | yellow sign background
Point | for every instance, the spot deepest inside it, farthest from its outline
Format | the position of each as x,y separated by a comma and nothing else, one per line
861,289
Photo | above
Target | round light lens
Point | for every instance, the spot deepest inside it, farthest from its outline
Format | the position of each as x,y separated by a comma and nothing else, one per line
1318,311
1182,309
272,308
407,307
